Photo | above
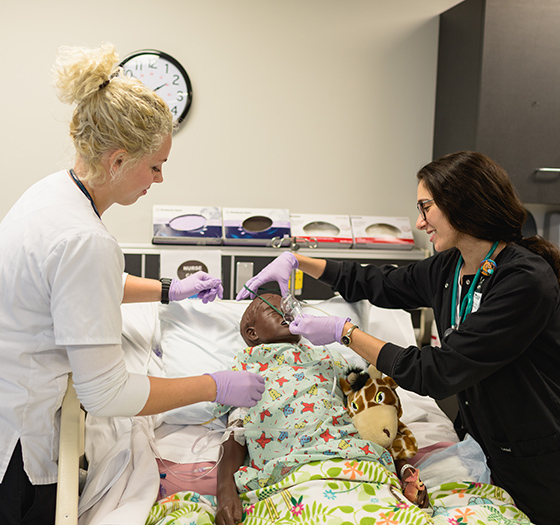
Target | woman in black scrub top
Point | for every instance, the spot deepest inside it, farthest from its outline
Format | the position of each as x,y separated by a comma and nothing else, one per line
496,300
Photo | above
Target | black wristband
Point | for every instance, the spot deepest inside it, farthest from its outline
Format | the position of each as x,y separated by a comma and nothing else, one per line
165,284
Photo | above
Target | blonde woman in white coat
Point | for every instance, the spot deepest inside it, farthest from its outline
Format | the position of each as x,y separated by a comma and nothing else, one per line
61,282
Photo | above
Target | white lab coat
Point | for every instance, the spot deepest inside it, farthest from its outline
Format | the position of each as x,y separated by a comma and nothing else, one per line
61,284
123,478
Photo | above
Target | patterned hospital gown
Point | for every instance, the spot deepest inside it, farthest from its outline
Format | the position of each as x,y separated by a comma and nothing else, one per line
298,419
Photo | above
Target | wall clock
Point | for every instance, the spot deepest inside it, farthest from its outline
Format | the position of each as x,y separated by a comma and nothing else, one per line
165,75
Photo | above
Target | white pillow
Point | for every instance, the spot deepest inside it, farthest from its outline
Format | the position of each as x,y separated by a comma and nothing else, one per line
392,326
141,338
199,338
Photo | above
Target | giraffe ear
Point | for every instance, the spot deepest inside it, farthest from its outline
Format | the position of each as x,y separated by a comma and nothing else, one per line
390,382
346,387
374,373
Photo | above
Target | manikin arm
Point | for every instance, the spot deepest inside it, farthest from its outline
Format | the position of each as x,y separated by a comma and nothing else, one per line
230,510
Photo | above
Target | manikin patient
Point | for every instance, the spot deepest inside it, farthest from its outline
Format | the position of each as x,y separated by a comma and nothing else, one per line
300,418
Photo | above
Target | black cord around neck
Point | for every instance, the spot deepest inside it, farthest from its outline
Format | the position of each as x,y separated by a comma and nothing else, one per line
84,190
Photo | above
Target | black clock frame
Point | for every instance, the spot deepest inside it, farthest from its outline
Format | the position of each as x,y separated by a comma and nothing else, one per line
177,64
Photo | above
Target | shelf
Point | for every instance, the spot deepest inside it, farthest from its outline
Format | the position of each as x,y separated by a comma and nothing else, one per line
413,254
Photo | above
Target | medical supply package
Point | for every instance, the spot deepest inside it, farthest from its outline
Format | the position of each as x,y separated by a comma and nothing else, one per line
384,233
255,226
187,225
324,231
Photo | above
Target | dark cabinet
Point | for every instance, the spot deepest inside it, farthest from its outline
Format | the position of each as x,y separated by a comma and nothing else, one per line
498,89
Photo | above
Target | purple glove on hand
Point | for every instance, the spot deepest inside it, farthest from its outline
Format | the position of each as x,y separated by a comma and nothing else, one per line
238,389
319,330
278,270
203,285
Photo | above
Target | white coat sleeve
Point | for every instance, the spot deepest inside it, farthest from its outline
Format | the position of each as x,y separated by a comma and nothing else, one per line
103,384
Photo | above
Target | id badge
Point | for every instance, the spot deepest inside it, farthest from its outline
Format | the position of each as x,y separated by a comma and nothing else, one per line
477,297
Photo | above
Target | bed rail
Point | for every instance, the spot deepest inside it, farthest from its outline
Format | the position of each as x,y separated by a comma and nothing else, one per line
70,453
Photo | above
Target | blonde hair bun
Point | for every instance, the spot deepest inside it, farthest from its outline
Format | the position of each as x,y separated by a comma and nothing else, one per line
79,72
110,113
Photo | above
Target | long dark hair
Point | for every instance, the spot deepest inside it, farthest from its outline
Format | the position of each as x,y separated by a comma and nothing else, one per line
477,197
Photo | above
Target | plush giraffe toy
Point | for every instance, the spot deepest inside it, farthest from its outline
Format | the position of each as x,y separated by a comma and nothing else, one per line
376,409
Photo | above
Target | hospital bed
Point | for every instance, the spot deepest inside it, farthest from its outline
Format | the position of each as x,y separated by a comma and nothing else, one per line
189,338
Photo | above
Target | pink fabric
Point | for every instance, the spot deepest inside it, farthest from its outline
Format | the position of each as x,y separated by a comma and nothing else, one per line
425,452
179,477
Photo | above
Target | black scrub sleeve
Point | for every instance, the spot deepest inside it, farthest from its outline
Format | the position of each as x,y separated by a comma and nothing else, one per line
386,286
388,358
331,273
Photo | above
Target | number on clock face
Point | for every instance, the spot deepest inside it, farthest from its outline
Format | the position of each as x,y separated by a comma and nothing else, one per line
169,80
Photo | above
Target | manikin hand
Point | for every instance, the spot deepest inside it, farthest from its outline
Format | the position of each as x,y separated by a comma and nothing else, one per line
278,270
414,488
201,284
319,330
238,389
230,509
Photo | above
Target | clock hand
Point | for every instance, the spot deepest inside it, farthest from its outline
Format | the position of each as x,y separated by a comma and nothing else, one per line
159,87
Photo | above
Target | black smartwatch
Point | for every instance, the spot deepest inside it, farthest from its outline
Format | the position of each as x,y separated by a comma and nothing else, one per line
165,284
346,340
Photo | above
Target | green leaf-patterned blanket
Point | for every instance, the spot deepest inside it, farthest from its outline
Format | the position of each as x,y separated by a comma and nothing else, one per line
344,492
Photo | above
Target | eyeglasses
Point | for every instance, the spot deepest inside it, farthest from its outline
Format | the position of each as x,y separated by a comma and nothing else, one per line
421,209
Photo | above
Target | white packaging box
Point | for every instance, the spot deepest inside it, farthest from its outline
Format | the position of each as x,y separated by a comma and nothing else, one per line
387,233
187,225
328,231
255,226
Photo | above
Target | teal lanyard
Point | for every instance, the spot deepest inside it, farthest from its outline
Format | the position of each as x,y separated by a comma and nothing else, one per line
467,304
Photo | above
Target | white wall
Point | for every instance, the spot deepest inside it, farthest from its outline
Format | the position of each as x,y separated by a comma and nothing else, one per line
319,106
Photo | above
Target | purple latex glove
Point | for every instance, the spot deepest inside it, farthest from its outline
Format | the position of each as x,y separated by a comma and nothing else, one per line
238,389
319,330
201,284
278,270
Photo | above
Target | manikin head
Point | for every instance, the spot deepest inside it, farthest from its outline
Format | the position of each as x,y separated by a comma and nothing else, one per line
262,324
